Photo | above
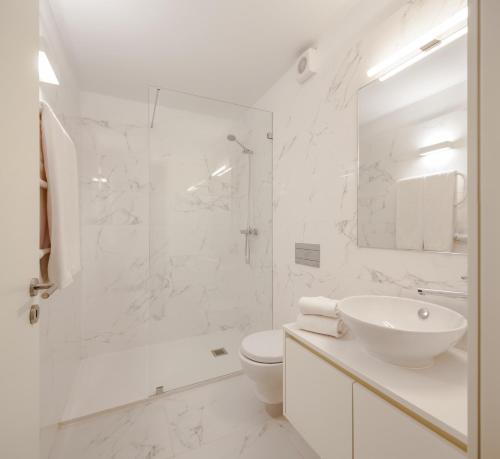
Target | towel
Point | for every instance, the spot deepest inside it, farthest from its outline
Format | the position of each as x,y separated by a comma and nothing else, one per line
409,213
439,211
60,163
44,242
322,325
318,305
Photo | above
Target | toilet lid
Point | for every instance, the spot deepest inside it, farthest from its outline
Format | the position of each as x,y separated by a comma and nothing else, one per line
264,347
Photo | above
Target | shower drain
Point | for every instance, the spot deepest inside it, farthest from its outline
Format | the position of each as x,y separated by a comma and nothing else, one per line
218,352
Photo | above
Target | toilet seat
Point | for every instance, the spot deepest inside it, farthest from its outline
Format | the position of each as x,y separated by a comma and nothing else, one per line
263,347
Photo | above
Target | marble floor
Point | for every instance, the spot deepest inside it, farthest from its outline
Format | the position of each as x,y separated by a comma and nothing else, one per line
219,420
119,378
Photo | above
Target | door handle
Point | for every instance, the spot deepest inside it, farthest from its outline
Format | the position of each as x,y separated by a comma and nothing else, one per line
48,287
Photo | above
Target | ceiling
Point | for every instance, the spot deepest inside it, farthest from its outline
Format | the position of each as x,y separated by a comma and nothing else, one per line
226,49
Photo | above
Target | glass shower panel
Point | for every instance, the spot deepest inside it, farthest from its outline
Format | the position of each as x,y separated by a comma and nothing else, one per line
210,235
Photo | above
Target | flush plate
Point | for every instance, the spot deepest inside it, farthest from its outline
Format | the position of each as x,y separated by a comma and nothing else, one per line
307,254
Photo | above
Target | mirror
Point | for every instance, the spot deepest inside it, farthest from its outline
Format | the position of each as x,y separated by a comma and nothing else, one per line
412,169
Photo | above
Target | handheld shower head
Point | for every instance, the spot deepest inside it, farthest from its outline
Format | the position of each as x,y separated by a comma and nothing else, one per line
231,137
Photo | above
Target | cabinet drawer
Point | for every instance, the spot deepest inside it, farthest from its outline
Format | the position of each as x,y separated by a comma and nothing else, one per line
318,402
381,431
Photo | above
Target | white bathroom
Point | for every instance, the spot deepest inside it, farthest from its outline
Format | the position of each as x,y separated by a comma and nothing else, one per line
256,230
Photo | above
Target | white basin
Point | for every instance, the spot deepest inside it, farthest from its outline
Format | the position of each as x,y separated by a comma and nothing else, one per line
391,328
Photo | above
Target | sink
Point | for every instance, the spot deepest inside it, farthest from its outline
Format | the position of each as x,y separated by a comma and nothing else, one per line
402,331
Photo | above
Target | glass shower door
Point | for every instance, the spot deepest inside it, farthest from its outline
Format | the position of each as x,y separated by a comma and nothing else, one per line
210,235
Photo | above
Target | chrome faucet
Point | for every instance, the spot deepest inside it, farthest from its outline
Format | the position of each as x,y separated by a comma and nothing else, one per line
447,293
247,232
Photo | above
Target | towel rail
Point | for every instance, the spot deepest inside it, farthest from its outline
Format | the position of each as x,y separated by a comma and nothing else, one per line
43,252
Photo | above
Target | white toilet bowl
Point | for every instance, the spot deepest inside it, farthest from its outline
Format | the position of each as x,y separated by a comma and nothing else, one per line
261,356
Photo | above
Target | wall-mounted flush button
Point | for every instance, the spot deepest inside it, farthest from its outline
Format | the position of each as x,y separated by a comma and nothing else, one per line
307,254
34,314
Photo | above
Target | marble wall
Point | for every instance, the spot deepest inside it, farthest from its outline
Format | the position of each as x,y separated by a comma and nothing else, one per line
111,139
315,168
174,215
200,282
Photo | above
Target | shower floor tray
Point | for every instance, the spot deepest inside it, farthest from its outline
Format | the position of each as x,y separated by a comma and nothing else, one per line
116,379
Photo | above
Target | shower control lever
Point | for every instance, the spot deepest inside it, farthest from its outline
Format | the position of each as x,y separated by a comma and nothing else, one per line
249,231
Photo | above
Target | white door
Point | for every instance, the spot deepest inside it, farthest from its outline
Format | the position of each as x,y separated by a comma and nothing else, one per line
19,398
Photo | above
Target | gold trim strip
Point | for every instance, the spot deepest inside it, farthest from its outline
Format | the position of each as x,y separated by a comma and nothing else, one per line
437,430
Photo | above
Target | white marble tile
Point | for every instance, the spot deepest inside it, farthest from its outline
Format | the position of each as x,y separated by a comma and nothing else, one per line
140,432
115,279
211,412
141,222
199,281
218,420
315,168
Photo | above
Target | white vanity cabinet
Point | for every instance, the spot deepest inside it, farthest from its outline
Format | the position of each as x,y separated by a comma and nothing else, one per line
318,402
342,419
382,431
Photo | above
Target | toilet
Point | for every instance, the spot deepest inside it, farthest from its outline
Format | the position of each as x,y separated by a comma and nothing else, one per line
261,356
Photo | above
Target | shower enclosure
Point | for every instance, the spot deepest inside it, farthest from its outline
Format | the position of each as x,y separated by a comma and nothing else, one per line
210,235
176,229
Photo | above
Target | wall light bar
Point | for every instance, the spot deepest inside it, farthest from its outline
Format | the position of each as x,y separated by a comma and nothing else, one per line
434,148
440,44
46,73
418,47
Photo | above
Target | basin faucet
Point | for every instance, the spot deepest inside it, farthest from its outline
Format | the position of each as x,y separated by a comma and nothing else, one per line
447,293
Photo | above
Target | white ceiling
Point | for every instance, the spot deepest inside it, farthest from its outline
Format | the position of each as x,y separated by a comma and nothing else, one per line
227,49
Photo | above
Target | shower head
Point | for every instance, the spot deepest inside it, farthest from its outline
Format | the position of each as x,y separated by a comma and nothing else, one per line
232,138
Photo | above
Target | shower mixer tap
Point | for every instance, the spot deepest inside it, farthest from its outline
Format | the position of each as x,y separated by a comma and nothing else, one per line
248,231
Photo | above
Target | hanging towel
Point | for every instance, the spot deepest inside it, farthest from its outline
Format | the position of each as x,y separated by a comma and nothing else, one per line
439,211
409,213
318,305
322,325
60,163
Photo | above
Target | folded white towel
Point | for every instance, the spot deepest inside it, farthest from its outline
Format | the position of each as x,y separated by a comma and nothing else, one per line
439,211
318,305
409,213
60,161
322,325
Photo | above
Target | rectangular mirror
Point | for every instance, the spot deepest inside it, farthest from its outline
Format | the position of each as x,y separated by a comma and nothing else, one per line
412,170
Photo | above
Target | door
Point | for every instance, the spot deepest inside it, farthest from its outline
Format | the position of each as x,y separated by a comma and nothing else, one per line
19,417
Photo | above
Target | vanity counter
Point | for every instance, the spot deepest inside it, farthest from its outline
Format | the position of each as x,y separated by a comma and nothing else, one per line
437,395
